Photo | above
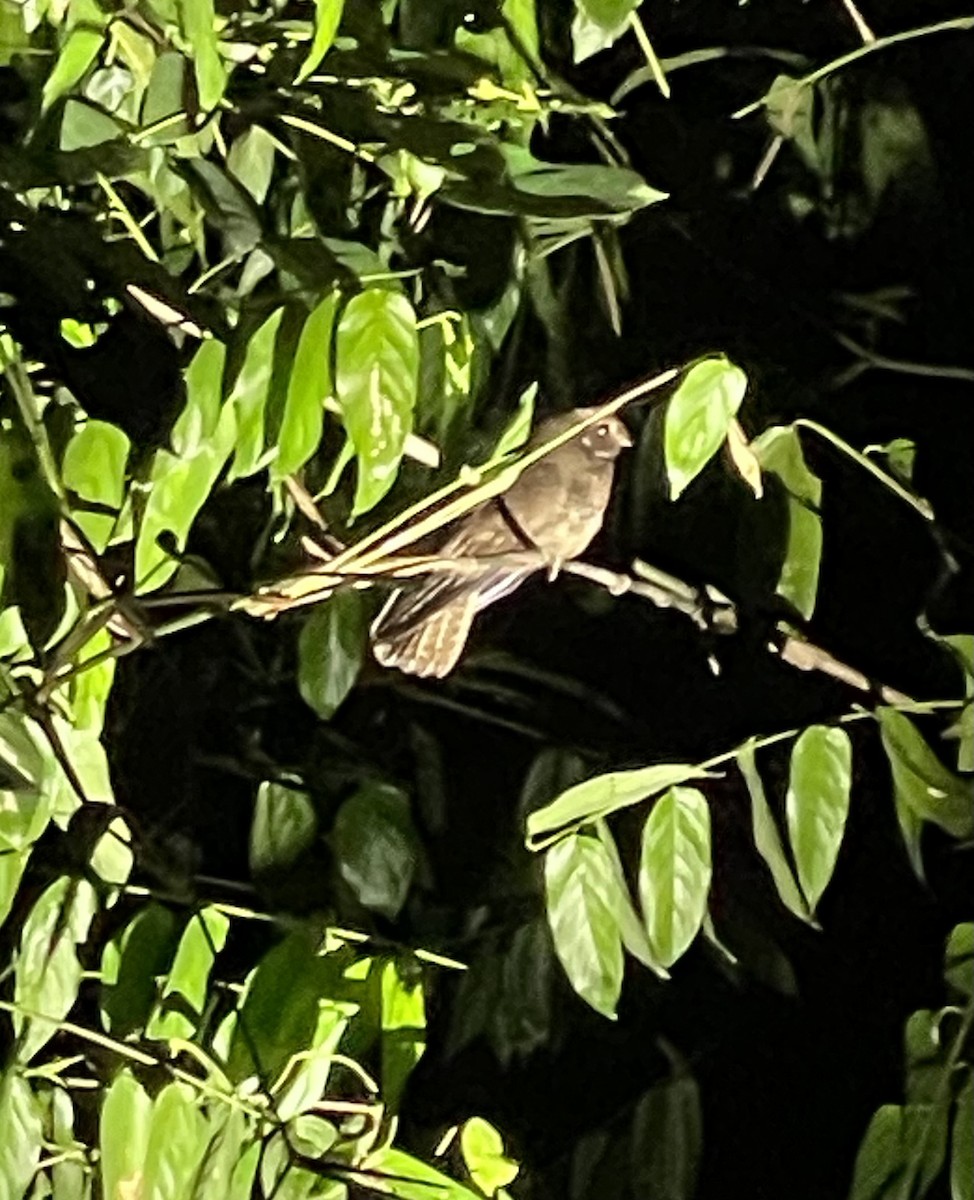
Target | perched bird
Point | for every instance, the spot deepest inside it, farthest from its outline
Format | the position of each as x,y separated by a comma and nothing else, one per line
556,507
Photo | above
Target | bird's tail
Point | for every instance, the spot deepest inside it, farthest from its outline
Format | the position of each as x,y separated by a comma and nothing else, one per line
430,647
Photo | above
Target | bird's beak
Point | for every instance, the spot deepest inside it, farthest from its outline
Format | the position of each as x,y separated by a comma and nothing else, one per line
625,437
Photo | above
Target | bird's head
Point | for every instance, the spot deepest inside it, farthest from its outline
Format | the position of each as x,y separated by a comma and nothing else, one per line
605,439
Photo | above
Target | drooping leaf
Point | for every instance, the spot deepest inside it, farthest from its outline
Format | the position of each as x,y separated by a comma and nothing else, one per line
94,468
667,1141
959,959
88,690
184,992
920,780
48,973
376,847
309,385
177,1140
767,839
84,125
328,14
779,451
962,1145
817,804
22,1136
483,1154
902,1153
12,866
200,416
403,1030
416,1180
331,649
249,397
284,826
198,21
377,354
131,964
598,24
605,794
124,1136
674,871
698,417
631,928
179,489
519,427
580,889
281,1009
79,51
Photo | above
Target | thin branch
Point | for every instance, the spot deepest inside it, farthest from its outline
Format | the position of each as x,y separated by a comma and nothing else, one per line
862,28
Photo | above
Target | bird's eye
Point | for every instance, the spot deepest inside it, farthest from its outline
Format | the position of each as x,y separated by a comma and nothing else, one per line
602,431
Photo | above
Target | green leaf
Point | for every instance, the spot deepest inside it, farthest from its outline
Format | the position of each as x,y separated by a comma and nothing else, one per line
902,1153
229,207
249,397
331,648
403,1030
631,929
184,992
84,124
25,803
22,1136
301,1087
179,489
412,1179
605,794
77,54
779,451
309,385
582,902
229,1160
198,22
94,468
124,1137
177,1140
698,417
817,805
519,427
959,959
767,839
377,352
667,1141
284,826
12,865
88,691
674,871
130,966
48,973
281,1009
962,1145
376,847
251,161
164,99
200,416
598,24
920,780
483,1153
328,14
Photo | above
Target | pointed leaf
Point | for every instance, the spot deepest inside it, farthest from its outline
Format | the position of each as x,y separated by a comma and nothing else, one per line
124,1136
483,1153
198,21
674,871
581,889
22,1135
767,839
920,780
330,652
284,826
962,1145
94,468
378,368
377,847
249,397
186,984
817,804
328,14
779,451
309,386
698,417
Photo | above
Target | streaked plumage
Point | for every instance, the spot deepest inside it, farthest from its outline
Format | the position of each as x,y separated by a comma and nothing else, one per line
556,506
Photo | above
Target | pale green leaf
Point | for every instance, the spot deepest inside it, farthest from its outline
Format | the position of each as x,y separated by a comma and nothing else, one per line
920,780
580,888
377,352
124,1136
328,14
674,871
198,21
483,1153
186,984
817,805
249,397
94,469
698,417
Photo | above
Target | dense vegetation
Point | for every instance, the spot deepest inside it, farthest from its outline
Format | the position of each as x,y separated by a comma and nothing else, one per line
666,890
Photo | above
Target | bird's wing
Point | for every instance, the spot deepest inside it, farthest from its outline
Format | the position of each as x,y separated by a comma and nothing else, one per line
484,534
